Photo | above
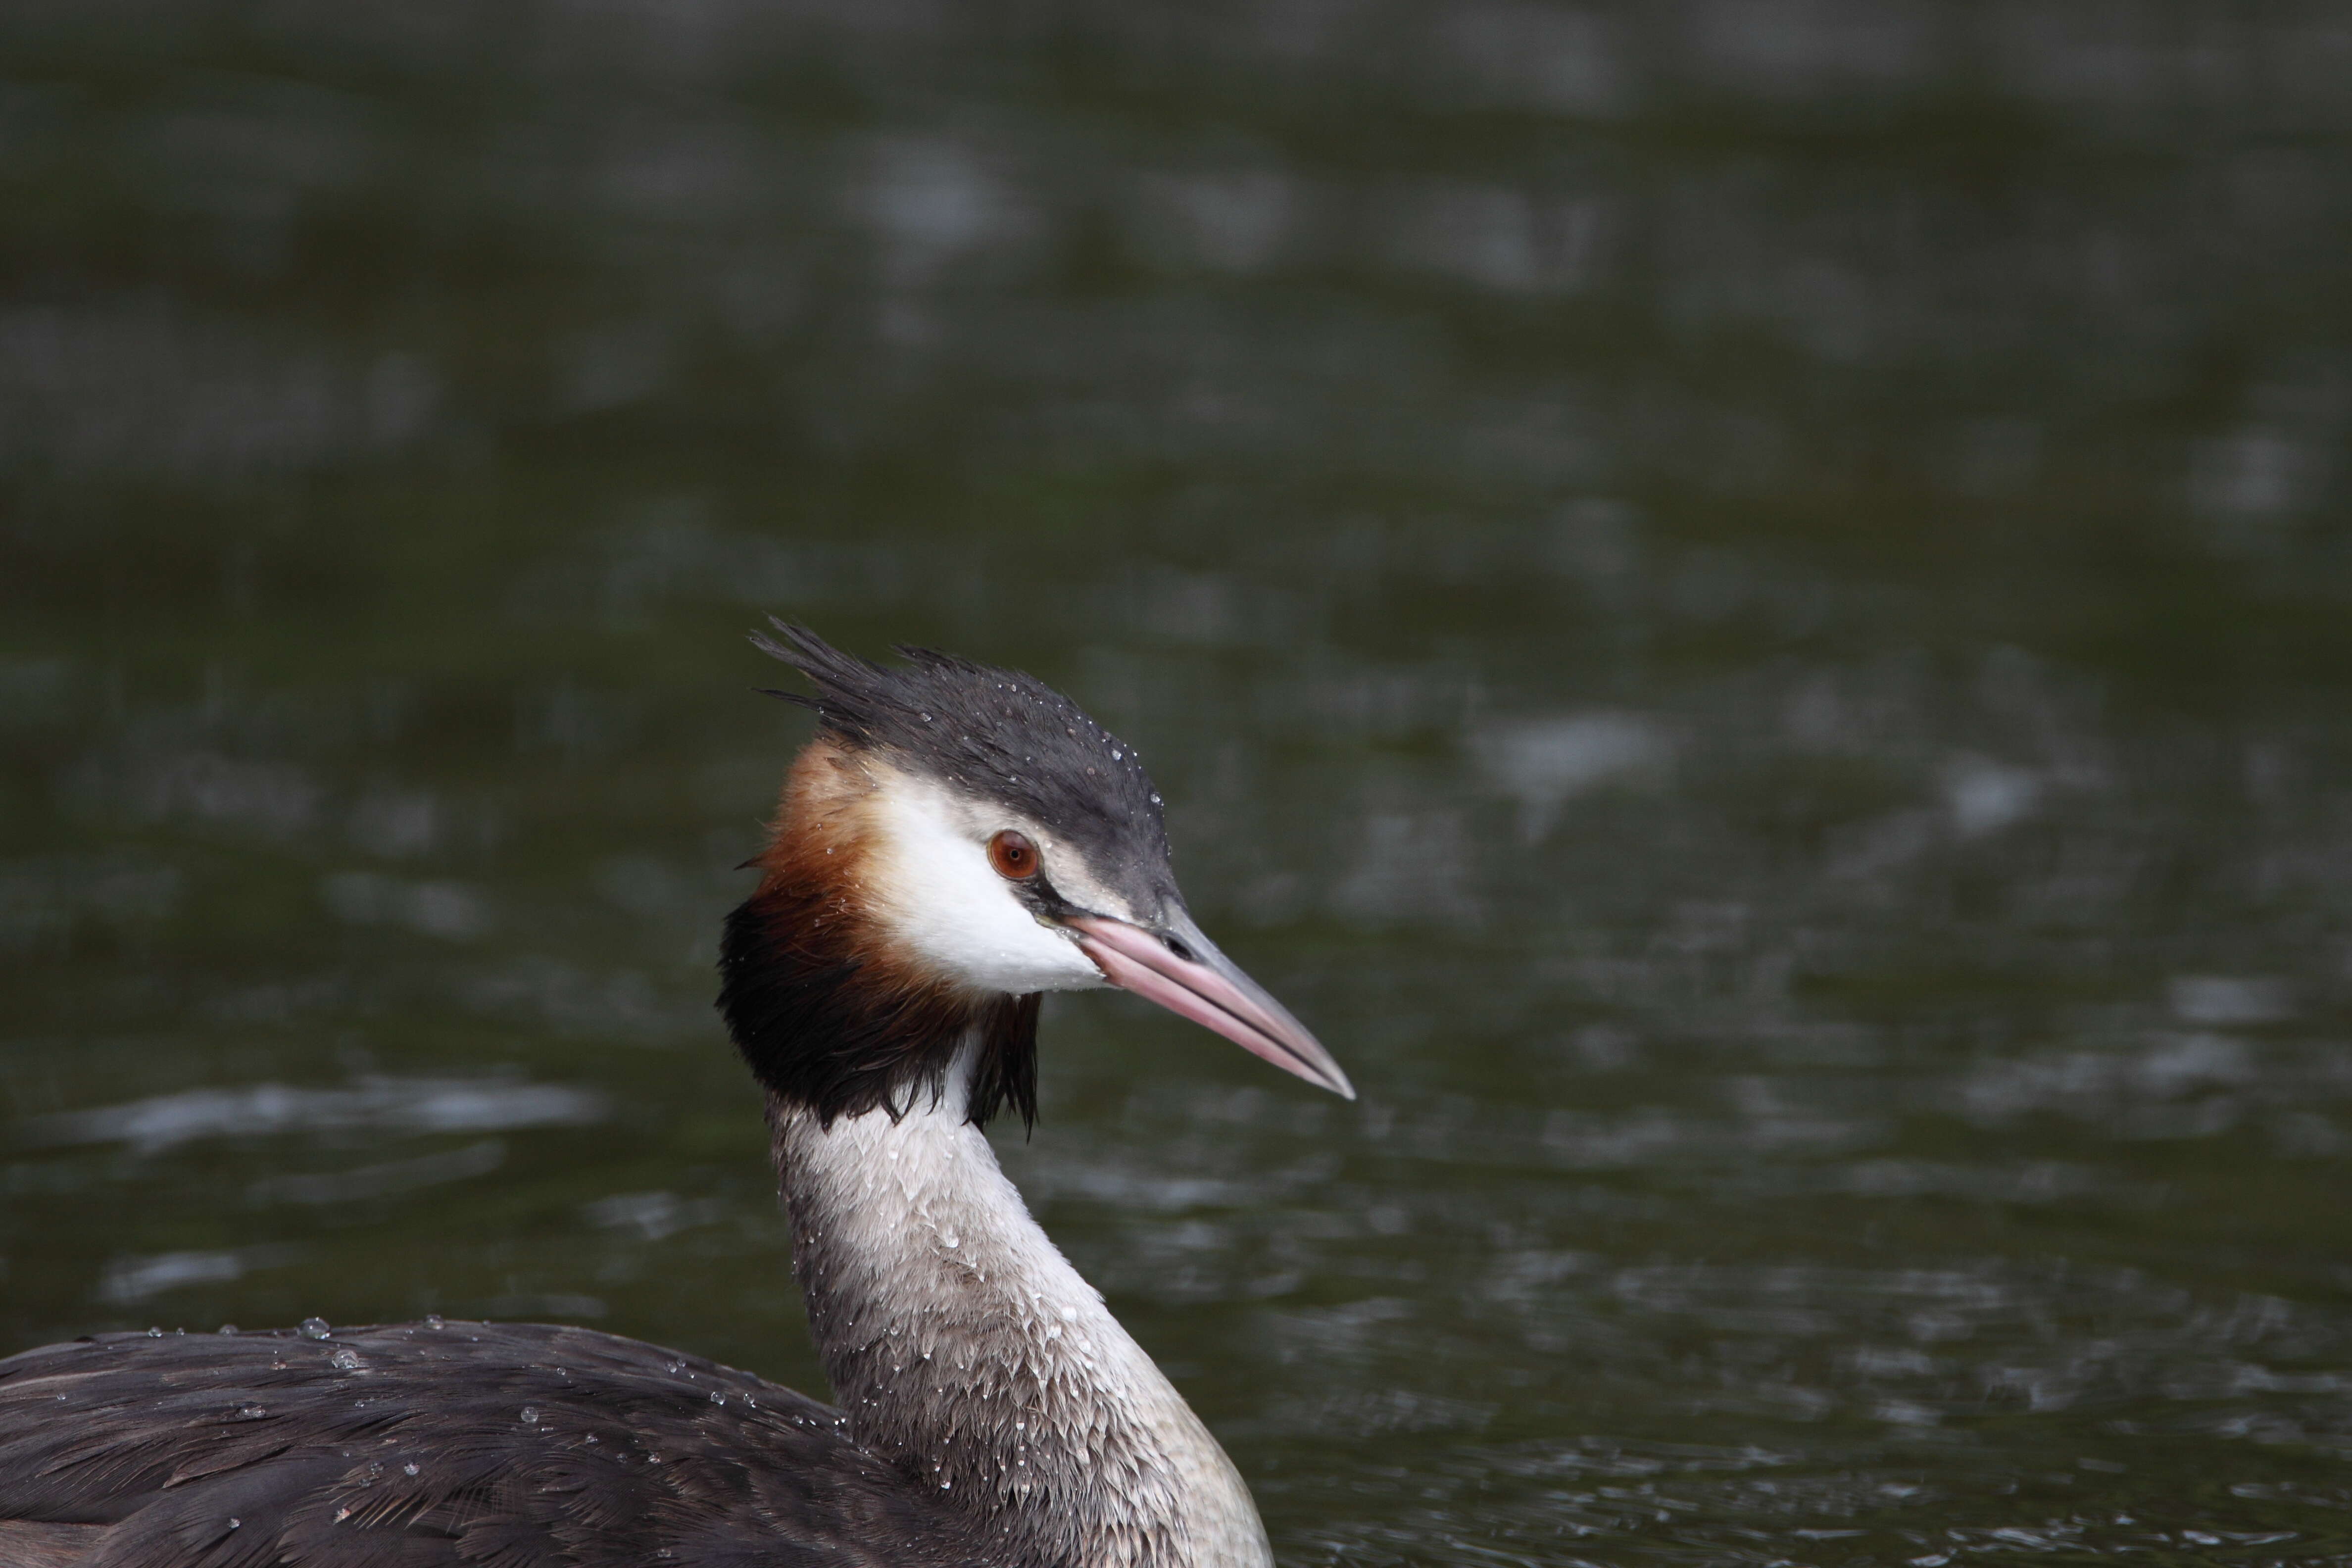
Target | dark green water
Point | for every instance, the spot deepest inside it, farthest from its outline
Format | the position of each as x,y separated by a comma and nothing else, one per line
1748,607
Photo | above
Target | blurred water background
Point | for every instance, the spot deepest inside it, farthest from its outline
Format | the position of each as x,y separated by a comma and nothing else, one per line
1746,603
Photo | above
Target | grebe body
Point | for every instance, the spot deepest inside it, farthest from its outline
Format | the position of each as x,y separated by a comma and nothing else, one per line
954,841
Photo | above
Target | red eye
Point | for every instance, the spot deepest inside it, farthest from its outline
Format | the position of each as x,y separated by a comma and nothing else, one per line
1012,856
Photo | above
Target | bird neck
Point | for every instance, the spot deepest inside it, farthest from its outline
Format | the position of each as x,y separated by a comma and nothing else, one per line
964,1348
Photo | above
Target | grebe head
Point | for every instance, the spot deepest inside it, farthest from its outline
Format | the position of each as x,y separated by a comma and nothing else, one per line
955,840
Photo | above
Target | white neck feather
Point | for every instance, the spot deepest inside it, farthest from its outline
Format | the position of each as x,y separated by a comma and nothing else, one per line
963,1344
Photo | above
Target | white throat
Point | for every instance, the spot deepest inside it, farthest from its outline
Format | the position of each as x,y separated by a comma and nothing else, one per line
961,1344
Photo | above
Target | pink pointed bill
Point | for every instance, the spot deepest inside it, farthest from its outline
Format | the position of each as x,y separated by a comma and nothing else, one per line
1209,989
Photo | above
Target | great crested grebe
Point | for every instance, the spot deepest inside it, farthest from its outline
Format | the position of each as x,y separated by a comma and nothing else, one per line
955,840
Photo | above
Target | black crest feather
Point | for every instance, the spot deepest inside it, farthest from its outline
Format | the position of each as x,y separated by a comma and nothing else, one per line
994,733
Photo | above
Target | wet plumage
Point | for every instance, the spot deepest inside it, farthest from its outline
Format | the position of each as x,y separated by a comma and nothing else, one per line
428,1444
881,982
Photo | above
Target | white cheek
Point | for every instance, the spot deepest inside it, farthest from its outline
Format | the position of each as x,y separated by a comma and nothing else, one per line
941,898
